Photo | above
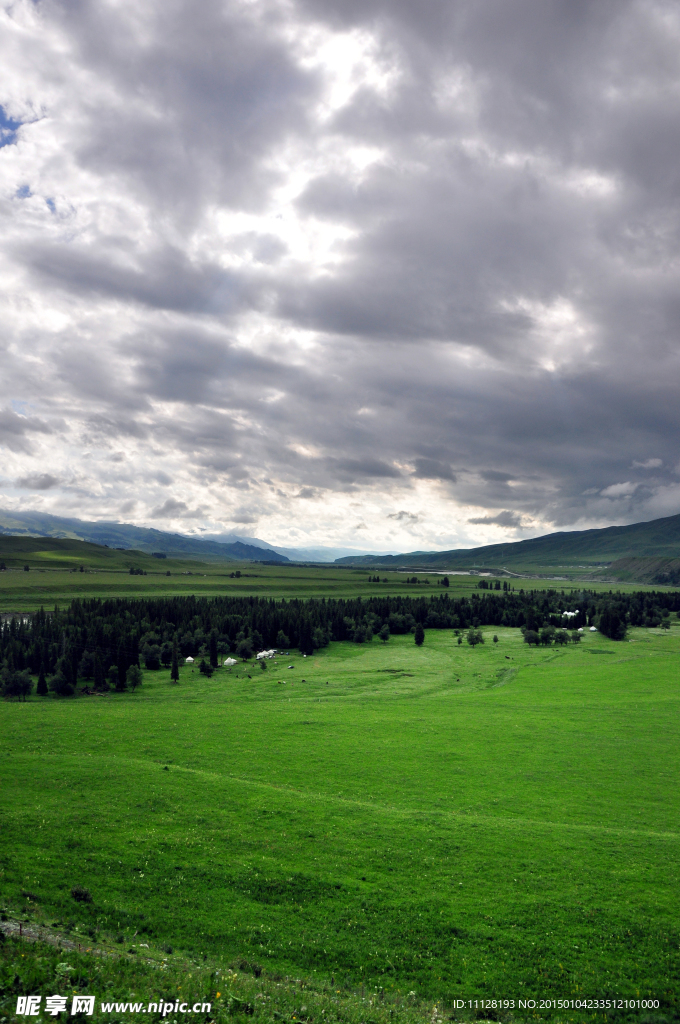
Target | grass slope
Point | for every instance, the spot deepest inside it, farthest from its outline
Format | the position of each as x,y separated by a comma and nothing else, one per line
455,822
123,535
578,549
659,571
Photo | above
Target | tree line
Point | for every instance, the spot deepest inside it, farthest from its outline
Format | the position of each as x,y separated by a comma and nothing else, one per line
103,643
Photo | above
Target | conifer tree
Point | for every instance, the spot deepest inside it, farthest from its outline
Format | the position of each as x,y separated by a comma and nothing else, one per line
41,689
306,646
99,683
174,670
122,666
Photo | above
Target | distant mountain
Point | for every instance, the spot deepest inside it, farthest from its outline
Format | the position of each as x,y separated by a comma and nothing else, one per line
320,554
579,549
122,535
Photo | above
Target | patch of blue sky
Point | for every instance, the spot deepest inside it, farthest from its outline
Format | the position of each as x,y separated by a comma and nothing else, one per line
20,406
50,205
23,192
8,129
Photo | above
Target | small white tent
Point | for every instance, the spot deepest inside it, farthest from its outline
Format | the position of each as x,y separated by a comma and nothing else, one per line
189,661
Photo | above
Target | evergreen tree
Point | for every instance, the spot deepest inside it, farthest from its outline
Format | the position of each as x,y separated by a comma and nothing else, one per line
99,682
122,666
42,684
213,648
306,646
174,671
420,635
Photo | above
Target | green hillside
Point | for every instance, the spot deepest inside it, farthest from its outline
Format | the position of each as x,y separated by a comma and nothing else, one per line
655,571
576,551
124,535
56,553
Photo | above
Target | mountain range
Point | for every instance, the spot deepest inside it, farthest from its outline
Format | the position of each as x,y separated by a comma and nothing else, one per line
139,538
577,551
648,552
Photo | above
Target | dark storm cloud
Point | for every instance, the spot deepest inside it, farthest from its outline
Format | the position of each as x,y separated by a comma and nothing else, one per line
496,326
431,469
506,518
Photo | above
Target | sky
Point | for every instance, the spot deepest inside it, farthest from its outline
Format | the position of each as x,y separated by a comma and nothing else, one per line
384,276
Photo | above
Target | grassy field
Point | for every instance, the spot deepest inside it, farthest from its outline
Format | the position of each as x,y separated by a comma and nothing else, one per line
496,822
26,591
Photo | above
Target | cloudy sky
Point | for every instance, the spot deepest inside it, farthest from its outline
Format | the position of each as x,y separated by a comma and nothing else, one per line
382,275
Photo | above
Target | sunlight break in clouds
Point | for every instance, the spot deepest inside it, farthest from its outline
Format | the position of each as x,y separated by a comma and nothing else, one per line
333,271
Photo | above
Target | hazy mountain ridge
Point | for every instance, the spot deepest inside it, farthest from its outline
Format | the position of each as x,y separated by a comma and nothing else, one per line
122,535
577,549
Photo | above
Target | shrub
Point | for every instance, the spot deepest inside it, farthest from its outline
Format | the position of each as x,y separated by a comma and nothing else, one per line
81,895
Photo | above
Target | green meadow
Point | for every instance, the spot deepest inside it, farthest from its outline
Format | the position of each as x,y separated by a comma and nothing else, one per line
27,591
497,822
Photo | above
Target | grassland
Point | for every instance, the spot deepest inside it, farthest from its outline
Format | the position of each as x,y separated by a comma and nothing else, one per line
454,822
56,579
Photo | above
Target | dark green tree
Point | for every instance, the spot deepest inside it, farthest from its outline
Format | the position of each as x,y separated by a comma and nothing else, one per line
306,646
122,666
384,633
244,648
611,624
445,581
134,677
17,684
174,671
282,640
99,681
41,689
419,635
213,648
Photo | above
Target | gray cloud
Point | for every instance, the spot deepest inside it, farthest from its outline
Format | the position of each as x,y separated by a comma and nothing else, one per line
456,292
15,430
432,469
505,518
38,482
174,509
403,516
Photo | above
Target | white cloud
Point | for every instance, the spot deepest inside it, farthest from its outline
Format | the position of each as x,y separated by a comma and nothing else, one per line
619,490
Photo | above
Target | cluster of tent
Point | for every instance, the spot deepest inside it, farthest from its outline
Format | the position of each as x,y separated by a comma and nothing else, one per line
230,662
